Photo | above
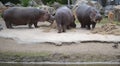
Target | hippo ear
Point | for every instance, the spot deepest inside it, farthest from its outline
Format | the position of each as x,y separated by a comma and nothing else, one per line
93,11
92,15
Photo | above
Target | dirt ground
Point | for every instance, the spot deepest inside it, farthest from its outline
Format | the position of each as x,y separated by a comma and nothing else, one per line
83,48
89,51
98,52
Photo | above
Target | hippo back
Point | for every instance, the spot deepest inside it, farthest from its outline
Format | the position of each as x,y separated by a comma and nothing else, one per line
64,14
64,19
83,12
22,15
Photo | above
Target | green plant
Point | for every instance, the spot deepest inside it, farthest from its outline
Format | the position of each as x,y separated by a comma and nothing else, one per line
25,3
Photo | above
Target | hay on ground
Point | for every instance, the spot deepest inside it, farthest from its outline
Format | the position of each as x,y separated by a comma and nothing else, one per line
108,28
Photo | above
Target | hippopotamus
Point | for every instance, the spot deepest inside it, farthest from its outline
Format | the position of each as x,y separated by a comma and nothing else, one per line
88,15
23,16
64,19
1,27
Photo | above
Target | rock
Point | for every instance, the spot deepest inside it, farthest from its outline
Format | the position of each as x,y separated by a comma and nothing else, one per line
9,4
56,5
2,7
51,10
91,3
39,2
116,45
32,3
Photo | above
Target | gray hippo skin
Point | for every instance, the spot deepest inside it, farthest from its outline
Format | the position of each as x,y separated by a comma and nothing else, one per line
23,16
1,27
64,19
87,16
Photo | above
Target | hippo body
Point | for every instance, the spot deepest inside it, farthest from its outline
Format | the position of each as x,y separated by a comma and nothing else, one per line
23,16
64,19
87,16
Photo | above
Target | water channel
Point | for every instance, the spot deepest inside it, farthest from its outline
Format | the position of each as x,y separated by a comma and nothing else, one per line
60,64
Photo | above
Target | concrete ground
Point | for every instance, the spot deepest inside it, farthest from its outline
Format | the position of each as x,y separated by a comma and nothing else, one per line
43,39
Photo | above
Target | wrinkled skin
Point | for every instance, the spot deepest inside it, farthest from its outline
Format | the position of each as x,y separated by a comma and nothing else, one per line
64,19
87,16
23,16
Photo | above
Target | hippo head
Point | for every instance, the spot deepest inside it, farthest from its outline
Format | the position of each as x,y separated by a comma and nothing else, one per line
47,17
51,18
95,16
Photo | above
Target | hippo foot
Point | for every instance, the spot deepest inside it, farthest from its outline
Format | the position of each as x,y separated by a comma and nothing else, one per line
59,31
63,31
30,27
88,28
82,27
68,27
10,28
36,27
92,29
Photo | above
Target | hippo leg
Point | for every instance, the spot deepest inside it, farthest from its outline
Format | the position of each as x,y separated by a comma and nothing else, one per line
68,27
59,29
64,28
72,25
82,25
35,24
11,26
88,26
30,25
93,25
8,24
1,28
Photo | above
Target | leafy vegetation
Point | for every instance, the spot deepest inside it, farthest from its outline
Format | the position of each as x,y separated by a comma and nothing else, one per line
24,2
